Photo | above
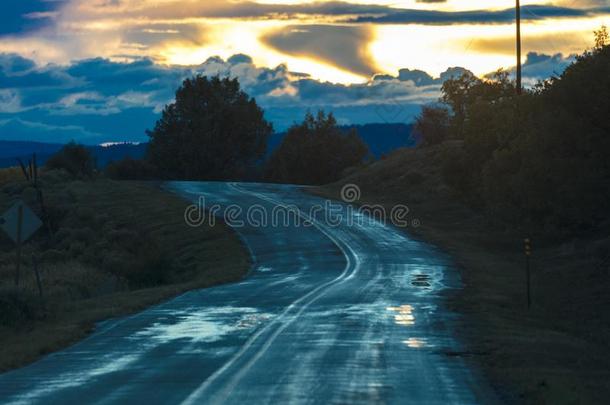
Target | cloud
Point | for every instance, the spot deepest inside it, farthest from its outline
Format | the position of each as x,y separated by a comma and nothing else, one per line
10,101
550,43
222,9
17,129
27,15
180,9
97,100
539,67
341,46
529,13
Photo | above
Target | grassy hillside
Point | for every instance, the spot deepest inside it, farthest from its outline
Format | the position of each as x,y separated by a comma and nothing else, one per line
116,248
556,352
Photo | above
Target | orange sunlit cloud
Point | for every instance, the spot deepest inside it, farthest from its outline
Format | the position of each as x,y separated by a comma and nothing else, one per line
321,38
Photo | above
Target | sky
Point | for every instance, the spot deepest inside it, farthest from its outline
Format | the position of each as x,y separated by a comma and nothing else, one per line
102,70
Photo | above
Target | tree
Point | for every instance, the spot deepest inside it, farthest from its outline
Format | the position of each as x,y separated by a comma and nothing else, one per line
540,159
432,125
602,38
213,131
315,151
73,158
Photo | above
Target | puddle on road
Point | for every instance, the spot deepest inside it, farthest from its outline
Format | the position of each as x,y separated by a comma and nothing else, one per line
404,315
416,343
204,325
421,280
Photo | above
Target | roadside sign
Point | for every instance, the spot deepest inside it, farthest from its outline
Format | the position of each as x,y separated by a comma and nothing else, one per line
9,222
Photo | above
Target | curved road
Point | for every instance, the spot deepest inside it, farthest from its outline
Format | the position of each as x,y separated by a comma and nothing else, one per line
337,310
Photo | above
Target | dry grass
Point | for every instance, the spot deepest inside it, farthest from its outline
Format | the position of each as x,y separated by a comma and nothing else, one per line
557,352
118,247
10,174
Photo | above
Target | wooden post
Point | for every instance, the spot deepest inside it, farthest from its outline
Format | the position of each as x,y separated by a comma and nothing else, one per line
35,164
35,264
528,252
23,169
19,226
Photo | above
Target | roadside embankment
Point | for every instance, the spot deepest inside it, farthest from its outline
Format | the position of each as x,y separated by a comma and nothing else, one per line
557,351
115,248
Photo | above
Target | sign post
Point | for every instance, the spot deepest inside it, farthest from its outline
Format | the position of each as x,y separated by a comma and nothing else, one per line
18,242
19,222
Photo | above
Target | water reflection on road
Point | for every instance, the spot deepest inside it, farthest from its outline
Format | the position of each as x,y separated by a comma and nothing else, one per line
329,314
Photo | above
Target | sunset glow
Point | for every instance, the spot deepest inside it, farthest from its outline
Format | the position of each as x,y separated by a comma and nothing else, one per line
367,61
189,32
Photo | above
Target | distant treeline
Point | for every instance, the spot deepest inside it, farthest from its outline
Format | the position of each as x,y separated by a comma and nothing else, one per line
215,131
540,159
10,151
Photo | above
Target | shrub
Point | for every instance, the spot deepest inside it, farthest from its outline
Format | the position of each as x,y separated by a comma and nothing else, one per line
432,125
315,152
9,175
17,306
414,178
131,169
73,158
539,159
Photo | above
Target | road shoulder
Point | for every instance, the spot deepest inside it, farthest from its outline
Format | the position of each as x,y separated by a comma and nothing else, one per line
119,248
555,352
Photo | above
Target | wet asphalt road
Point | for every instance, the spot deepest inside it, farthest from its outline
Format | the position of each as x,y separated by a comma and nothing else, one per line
333,312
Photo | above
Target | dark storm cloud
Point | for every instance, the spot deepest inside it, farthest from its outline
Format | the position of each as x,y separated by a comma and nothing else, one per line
539,66
340,46
344,11
531,13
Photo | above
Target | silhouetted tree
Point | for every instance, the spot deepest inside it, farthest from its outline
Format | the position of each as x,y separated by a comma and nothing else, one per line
73,158
602,38
432,125
213,130
315,151
540,158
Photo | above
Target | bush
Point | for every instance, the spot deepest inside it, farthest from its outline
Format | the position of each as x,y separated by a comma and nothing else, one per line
73,158
414,178
131,169
146,267
17,306
539,159
432,125
453,169
315,152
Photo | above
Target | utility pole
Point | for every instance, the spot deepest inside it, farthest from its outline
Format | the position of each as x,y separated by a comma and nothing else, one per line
518,18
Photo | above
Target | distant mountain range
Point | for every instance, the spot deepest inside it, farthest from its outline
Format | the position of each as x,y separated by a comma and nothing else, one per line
381,139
